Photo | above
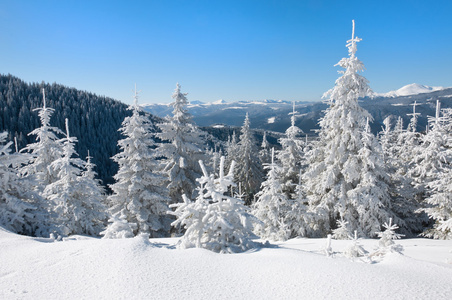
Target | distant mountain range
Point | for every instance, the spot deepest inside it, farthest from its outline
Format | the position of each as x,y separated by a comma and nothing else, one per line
273,115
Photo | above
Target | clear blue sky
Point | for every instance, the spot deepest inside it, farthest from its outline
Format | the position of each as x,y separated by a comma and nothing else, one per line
231,50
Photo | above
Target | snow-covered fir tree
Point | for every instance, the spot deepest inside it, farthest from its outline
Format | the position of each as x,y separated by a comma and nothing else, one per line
403,203
119,228
408,142
299,218
183,150
232,149
342,230
45,151
93,192
75,212
387,139
139,194
215,153
17,200
96,191
215,221
354,249
291,156
440,206
249,173
436,169
368,203
264,152
387,237
343,175
431,156
272,207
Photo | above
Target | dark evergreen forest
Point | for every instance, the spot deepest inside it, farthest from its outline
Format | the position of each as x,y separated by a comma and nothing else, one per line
93,119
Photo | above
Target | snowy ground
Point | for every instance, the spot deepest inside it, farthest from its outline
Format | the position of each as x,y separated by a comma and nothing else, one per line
88,268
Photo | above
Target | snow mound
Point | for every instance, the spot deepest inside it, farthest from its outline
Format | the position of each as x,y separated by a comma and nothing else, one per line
411,89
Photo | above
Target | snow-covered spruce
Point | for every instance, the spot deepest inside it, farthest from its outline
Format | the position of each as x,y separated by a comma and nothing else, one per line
431,156
91,189
291,157
17,200
264,152
272,207
45,151
215,221
249,172
119,228
386,243
355,249
344,178
370,197
215,154
41,154
183,150
300,220
232,149
439,204
404,205
341,232
139,195
71,195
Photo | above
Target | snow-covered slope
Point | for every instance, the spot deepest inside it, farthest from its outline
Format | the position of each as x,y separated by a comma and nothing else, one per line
411,89
88,268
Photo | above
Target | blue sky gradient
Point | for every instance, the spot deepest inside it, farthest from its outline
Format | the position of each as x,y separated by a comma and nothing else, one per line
231,50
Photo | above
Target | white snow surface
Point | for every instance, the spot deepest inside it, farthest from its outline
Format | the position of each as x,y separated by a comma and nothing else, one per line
138,268
411,89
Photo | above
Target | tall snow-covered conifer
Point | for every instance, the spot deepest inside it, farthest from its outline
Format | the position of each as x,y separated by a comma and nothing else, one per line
290,157
17,200
432,154
232,149
338,160
93,193
45,151
272,207
370,203
249,173
264,153
183,150
75,213
433,168
403,203
139,196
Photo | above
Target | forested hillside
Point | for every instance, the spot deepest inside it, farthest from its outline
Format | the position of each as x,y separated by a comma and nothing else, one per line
93,119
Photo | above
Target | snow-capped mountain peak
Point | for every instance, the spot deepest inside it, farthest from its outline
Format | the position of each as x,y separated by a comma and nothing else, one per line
412,89
221,101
